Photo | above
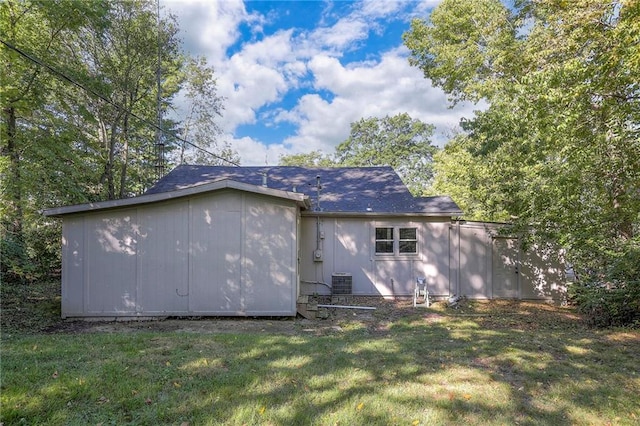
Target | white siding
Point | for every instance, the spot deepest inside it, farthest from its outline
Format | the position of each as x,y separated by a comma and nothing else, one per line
215,263
348,246
224,253
474,258
465,258
435,257
351,253
73,255
110,274
542,274
270,256
505,265
163,246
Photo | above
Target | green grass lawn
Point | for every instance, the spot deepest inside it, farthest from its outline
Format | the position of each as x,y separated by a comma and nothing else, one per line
482,365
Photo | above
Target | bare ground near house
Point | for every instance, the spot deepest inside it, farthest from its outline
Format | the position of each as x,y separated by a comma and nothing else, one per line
35,308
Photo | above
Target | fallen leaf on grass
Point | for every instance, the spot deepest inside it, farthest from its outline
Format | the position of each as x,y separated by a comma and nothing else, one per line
360,406
103,400
466,396
262,410
148,401
55,375
177,385
416,422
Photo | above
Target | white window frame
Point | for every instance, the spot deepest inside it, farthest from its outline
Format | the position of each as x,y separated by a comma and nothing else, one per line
396,241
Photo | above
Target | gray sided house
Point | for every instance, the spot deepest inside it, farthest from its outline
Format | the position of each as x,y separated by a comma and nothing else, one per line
238,241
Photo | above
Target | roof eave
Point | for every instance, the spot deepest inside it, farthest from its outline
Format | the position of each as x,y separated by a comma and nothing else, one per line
382,214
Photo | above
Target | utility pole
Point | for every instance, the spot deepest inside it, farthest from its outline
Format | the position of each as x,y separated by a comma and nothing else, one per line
159,145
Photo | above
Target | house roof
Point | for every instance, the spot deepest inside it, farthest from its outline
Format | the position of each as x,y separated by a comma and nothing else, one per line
343,190
154,197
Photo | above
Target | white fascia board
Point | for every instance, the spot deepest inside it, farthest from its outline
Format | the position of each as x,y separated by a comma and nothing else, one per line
380,214
301,200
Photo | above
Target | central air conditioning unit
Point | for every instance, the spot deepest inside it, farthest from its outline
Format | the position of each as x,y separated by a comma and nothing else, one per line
341,283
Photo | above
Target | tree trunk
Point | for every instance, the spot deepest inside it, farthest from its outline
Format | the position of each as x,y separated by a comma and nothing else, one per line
109,140
125,156
14,183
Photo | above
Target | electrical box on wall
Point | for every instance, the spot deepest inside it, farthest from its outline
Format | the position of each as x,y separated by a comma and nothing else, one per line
317,255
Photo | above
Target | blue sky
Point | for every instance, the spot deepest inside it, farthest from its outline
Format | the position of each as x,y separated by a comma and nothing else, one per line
296,74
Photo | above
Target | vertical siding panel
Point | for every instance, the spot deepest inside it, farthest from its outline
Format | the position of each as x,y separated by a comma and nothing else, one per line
244,276
435,253
111,262
73,266
352,253
454,259
504,266
215,254
475,260
311,271
270,271
542,273
163,258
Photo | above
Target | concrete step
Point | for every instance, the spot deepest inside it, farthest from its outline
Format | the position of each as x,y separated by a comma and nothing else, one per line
303,309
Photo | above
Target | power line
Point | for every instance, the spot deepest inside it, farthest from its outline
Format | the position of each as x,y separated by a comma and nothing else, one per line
110,102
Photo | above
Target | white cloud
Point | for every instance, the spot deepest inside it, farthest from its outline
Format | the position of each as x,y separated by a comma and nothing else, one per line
209,27
388,87
256,153
261,72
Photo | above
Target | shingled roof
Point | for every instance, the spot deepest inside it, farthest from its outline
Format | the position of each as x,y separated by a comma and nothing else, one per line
350,190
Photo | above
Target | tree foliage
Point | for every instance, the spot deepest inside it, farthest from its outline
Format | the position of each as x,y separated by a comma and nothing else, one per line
559,144
200,126
457,173
398,141
311,159
76,108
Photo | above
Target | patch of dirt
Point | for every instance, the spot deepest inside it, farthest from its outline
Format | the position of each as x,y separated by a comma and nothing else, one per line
36,309
378,320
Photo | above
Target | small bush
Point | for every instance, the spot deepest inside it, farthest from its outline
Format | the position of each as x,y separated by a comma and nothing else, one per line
608,304
15,265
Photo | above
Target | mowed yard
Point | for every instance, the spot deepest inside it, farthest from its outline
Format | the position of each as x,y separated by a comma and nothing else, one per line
500,363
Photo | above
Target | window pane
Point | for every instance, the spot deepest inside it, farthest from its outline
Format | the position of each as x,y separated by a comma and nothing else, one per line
407,233
384,233
408,240
384,246
408,247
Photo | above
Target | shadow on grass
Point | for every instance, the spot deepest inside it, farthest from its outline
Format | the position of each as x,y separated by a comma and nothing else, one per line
429,367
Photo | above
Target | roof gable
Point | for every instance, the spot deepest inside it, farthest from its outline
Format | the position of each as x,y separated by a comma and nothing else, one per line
149,198
348,190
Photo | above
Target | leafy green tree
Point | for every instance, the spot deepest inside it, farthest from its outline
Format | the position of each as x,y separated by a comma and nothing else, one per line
560,138
120,62
200,127
311,159
459,174
38,29
78,91
399,141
